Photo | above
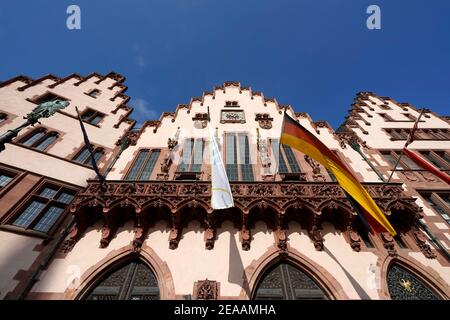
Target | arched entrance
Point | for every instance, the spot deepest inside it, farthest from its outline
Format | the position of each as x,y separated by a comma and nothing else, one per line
403,285
132,281
284,281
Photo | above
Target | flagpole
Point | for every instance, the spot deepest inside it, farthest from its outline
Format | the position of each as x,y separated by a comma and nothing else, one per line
408,141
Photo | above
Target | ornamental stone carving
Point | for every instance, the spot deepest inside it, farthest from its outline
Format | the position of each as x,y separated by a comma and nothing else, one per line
206,290
264,120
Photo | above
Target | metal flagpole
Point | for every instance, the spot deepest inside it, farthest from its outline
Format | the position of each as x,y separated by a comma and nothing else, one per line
408,141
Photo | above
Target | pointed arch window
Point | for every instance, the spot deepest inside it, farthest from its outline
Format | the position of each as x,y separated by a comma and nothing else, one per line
403,285
133,281
40,139
286,282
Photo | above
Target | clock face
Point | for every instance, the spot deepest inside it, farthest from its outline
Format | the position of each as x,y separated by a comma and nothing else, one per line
232,116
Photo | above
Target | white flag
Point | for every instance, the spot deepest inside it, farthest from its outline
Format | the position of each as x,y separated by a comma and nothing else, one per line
221,197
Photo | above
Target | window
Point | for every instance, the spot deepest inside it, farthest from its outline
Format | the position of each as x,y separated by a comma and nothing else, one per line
440,202
444,156
46,97
286,158
231,104
92,116
287,282
192,155
405,163
238,168
410,117
438,159
143,165
40,139
5,178
3,117
44,209
386,117
403,285
84,155
419,134
94,93
132,281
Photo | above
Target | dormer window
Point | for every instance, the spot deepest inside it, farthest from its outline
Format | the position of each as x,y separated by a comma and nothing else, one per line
92,116
233,104
46,97
94,93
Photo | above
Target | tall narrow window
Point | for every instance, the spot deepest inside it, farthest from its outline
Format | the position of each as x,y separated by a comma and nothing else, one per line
405,163
84,155
434,160
231,157
286,158
40,139
444,157
44,209
143,165
246,166
92,116
440,202
238,168
192,155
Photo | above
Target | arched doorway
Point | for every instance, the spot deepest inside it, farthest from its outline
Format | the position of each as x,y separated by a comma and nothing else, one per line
403,285
132,281
285,281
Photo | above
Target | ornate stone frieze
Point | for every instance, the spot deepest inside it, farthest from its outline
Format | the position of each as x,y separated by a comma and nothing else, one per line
118,198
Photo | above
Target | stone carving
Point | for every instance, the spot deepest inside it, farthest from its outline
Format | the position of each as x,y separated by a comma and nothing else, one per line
177,196
264,120
313,163
246,239
264,153
388,242
355,239
209,238
171,143
232,116
206,290
421,241
165,164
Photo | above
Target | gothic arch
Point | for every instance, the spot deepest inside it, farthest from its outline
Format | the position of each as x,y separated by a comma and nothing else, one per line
118,258
258,268
424,274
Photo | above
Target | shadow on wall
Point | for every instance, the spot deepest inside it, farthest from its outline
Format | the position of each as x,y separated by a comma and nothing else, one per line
360,290
16,254
236,272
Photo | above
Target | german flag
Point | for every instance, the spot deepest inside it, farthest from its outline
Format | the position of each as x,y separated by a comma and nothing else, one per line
296,136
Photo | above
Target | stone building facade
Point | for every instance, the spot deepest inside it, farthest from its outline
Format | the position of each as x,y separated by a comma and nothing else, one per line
150,233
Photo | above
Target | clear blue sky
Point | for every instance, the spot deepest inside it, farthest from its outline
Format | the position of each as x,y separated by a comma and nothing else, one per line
314,55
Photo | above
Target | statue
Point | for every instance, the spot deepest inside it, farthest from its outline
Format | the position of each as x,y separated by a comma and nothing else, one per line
43,110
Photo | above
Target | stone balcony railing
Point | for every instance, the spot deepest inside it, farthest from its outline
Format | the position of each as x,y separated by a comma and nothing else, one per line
269,201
